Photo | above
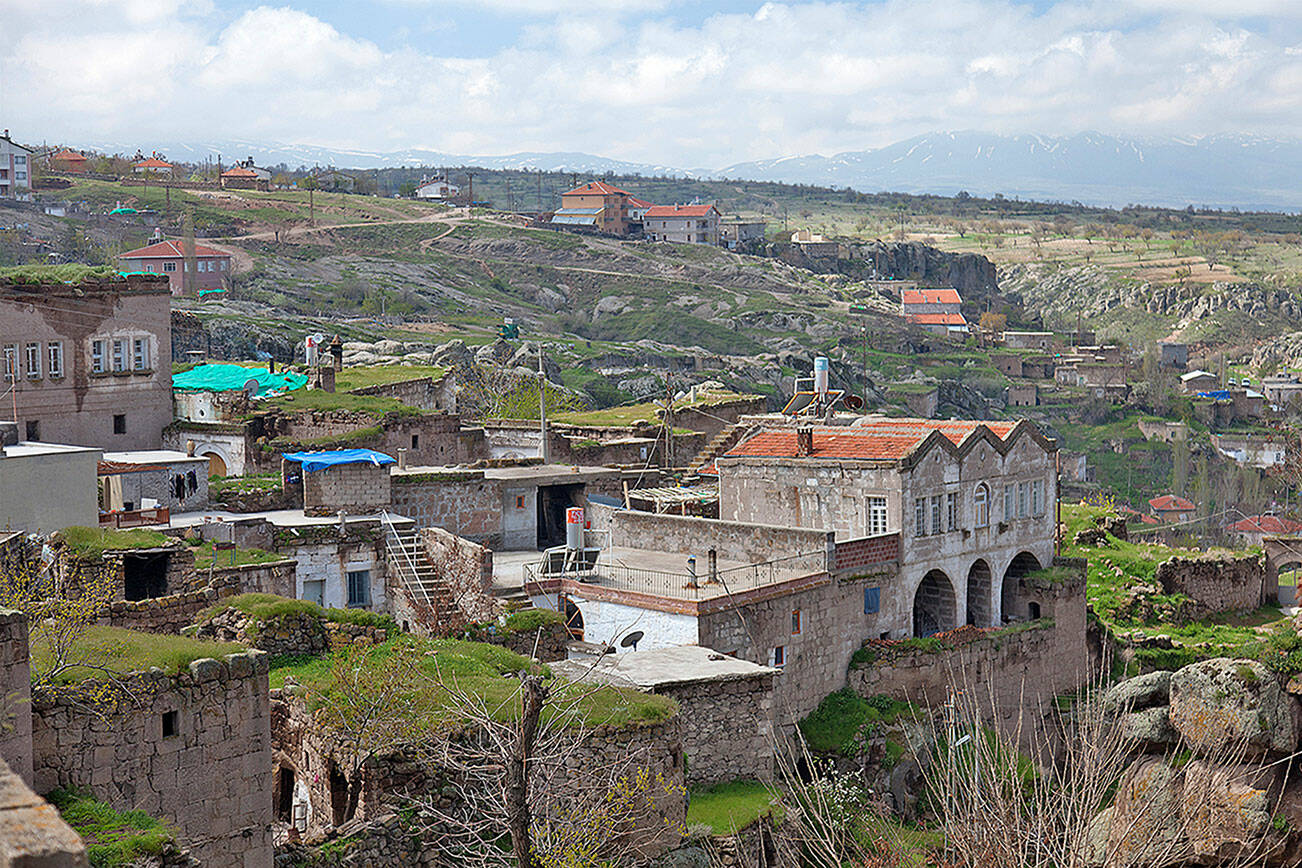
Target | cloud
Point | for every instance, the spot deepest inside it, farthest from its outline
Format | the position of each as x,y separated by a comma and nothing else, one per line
709,90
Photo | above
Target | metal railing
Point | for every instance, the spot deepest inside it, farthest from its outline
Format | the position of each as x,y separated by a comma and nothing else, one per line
684,584
396,545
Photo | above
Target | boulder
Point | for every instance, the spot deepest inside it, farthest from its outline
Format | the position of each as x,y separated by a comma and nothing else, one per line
1227,812
1151,726
1215,703
1145,822
1096,839
1133,694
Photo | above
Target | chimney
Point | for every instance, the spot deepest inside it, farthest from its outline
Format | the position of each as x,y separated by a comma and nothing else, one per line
402,459
337,351
804,441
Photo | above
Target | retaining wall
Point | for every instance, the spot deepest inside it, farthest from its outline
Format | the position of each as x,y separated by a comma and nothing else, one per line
1216,584
467,568
15,694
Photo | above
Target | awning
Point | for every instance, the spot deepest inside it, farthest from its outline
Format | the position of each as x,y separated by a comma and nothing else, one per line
314,461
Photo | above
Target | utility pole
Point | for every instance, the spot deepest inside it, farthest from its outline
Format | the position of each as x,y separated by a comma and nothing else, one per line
865,368
543,451
510,200
541,206
470,201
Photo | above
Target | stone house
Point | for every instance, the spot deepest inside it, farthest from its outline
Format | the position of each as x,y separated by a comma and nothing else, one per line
91,364
1198,381
150,479
1022,395
1282,390
1028,340
1253,450
1172,509
1173,355
1254,529
939,311
684,224
735,232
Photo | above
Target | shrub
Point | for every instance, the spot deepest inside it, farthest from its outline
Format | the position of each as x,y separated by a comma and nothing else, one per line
529,620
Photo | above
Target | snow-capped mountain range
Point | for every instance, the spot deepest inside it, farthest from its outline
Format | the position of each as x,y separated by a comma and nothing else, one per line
1213,171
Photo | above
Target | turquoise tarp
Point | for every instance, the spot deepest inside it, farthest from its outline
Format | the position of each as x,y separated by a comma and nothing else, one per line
314,461
225,378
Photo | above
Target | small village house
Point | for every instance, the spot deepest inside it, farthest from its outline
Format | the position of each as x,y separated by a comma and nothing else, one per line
684,224
244,175
1172,509
935,310
68,160
212,267
735,232
595,205
153,166
438,188
1253,529
15,169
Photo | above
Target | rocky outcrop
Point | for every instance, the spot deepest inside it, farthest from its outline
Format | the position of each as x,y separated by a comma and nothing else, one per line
1215,702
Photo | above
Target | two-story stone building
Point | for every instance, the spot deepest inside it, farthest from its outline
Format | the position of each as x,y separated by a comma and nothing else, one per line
91,364
972,502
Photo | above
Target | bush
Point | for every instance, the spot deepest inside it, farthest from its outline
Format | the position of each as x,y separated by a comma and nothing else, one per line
529,620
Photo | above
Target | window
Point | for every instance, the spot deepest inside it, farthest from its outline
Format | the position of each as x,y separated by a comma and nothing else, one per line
872,600
935,513
519,501
170,723
20,160
221,264
778,656
415,441
140,354
119,423
169,266
33,429
1010,502
981,505
1023,500
55,351
1037,497
920,516
119,355
876,516
359,588
10,361
951,511
98,352
20,176
32,360
795,622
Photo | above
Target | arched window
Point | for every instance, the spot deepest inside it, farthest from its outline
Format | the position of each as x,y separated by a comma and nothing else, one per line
981,505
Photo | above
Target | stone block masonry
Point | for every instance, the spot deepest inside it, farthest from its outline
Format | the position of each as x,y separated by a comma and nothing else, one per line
460,501
466,568
194,749
1215,584
727,728
356,489
32,834
15,693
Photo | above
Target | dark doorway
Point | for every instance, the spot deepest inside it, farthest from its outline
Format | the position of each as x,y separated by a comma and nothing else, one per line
573,619
1014,606
338,795
934,606
552,503
285,795
144,575
979,589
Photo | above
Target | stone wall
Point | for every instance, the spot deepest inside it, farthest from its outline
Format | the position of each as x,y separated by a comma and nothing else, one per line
297,634
460,501
210,776
429,438
1222,583
710,419
727,728
32,834
15,694
356,489
752,543
167,614
859,554
423,392
547,644
467,568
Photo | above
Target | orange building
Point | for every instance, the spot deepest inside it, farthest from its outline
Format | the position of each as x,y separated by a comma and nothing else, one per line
69,161
598,205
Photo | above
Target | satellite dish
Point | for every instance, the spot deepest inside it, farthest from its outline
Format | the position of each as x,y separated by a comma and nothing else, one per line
251,386
631,640
853,402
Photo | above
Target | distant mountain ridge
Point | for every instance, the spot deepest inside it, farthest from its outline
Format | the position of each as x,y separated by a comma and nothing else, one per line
1221,171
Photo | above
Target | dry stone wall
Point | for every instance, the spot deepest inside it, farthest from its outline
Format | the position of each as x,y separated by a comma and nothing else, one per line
1215,583
32,834
460,501
466,568
15,693
194,749
727,728
356,489
297,634
167,614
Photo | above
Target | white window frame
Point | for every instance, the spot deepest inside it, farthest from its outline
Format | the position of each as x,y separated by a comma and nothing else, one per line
951,511
876,516
778,656
1037,498
936,526
99,356
140,354
1010,502
121,355
32,359
169,267
981,505
54,358
10,357
920,516
1023,499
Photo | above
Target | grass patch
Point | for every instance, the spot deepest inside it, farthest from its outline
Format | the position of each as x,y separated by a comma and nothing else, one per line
205,556
270,607
69,272
260,482
529,620
315,399
844,719
113,838
361,376
730,807
94,541
123,651
480,669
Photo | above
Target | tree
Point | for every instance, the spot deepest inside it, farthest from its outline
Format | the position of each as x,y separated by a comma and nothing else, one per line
1180,466
994,323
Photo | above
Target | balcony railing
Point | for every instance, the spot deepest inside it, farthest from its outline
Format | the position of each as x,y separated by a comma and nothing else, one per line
684,584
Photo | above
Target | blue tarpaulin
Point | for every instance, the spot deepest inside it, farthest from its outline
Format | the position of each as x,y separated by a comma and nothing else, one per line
1218,395
313,461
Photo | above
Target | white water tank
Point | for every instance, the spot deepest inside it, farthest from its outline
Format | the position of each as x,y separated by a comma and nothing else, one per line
574,528
820,375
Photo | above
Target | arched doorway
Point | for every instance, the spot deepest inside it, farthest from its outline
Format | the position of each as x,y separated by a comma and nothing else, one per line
1289,574
216,466
979,587
1013,606
573,619
934,608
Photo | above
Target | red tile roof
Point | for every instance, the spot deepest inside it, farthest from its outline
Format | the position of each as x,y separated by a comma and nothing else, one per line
153,163
595,188
68,156
1266,524
945,319
930,296
1170,502
239,172
169,250
680,210
639,203
875,440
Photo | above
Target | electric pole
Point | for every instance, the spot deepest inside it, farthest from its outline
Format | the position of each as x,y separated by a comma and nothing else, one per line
470,201
542,408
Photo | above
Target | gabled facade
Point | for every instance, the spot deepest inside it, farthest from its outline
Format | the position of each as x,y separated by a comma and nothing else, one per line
212,267
972,503
606,204
438,187
15,169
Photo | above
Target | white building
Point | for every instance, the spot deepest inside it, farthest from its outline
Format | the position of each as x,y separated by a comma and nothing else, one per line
46,487
685,224
15,169
437,187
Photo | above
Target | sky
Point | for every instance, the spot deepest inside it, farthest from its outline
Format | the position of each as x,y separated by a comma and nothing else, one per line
668,82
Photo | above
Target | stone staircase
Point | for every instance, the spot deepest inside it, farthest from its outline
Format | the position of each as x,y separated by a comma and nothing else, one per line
411,568
719,444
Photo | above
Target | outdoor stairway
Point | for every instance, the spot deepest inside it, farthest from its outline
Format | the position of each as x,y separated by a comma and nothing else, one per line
411,564
719,444
512,598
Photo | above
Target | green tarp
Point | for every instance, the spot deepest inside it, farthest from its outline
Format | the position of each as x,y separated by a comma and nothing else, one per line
224,378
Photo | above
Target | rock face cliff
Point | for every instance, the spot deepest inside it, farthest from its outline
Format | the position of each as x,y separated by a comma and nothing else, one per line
971,274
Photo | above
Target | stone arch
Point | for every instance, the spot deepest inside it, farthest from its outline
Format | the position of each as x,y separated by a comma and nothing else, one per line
216,464
935,605
1012,605
980,589
573,618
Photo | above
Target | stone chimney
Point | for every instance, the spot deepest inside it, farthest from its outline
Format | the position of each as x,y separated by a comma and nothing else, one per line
337,353
804,441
